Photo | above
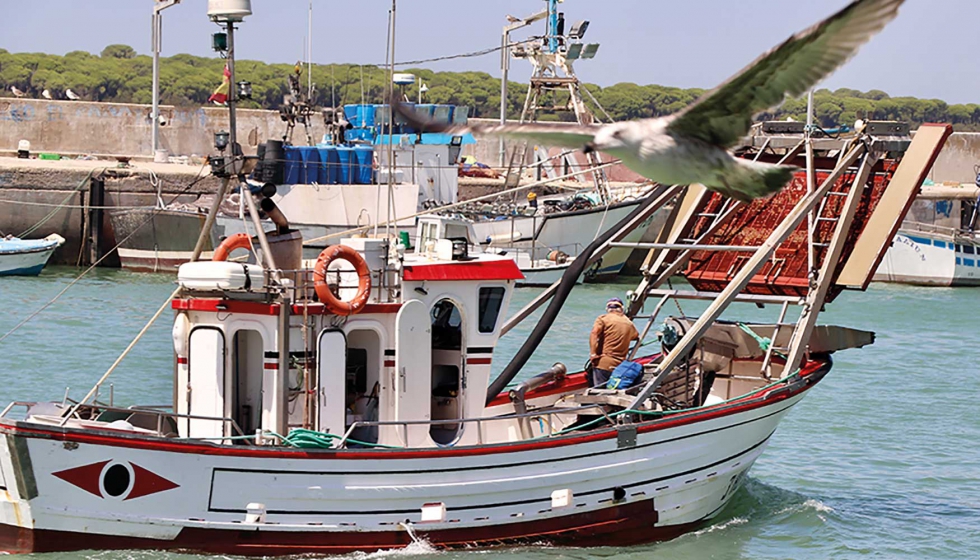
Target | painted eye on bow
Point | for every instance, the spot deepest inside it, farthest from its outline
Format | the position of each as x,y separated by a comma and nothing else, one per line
116,480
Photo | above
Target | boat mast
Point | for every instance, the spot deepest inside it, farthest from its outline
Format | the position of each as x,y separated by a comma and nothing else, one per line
553,71
505,53
309,57
157,40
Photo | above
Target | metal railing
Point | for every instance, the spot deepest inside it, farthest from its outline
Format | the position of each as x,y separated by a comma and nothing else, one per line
546,414
534,253
158,412
923,227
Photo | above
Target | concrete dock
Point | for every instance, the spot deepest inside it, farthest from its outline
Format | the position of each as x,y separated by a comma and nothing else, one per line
57,194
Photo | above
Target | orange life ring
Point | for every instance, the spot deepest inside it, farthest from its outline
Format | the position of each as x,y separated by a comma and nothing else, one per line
334,304
237,241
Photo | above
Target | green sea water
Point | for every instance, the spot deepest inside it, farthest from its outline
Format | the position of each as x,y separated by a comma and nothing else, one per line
881,460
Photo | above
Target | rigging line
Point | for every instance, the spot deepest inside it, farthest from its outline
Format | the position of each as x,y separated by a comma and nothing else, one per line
461,203
99,261
155,181
72,206
125,352
597,104
466,55
51,214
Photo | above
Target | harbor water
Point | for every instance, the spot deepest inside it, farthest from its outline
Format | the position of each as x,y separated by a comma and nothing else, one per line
880,460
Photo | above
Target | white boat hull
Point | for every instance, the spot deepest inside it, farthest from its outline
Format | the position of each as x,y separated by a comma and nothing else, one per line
29,261
568,232
70,489
930,259
543,275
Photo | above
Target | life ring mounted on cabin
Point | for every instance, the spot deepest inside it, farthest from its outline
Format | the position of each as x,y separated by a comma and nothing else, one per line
232,242
334,304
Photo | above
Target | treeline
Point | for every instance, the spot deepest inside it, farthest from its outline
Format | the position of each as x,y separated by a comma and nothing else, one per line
118,74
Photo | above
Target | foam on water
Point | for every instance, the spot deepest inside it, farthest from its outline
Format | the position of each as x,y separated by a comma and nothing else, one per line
735,521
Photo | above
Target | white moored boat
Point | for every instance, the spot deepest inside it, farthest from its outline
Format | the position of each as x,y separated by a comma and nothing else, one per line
350,407
938,244
27,257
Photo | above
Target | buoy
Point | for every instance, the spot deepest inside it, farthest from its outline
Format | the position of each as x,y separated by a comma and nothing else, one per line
334,304
237,241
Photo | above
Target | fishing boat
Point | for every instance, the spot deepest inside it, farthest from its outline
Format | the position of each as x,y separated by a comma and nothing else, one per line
542,263
938,244
26,257
350,407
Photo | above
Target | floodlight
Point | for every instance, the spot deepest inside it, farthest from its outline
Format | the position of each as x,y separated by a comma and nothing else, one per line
244,90
219,42
590,51
578,30
574,51
221,140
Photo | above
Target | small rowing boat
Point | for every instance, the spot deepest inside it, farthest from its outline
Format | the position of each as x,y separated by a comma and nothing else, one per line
26,257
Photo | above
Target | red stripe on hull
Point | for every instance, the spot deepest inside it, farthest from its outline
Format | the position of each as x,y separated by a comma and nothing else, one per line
815,369
272,309
627,524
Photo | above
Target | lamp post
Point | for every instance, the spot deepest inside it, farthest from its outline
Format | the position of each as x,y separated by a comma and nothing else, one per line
515,23
157,40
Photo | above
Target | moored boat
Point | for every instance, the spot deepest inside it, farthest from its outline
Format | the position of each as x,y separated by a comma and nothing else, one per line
27,257
938,243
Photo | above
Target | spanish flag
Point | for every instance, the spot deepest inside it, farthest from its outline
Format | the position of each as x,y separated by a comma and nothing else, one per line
220,95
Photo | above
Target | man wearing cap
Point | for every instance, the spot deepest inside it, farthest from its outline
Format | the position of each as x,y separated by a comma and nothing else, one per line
610,341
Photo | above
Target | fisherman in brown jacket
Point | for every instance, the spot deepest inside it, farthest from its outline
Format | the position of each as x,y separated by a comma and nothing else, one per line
610,341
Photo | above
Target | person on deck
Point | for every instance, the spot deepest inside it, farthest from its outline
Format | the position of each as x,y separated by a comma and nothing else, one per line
610,341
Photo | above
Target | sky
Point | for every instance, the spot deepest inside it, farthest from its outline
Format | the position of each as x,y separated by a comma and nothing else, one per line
930,50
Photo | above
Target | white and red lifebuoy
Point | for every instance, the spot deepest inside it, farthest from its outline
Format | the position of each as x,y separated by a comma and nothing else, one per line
232,242
334,304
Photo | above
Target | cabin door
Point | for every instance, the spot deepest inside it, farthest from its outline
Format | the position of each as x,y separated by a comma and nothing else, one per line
447,371
413,370
206,383
331,382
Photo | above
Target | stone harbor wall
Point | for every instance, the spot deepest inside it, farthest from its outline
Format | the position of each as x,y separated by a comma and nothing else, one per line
955,163
81,127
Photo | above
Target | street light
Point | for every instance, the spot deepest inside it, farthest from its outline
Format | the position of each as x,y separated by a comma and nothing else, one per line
157,40
514,24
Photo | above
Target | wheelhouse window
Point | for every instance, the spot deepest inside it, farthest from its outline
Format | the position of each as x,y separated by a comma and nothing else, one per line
490,301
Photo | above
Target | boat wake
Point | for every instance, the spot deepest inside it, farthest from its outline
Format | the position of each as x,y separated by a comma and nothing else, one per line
809,504
419,547
735,521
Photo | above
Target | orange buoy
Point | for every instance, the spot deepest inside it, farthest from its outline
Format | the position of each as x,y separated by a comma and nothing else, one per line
237,241
334,304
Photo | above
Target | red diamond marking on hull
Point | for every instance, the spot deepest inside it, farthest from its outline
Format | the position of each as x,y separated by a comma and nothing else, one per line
86,477
89,478
147,483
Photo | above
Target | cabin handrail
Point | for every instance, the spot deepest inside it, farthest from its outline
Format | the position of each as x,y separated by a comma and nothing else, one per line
153,410
26,404
548,412
929,228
